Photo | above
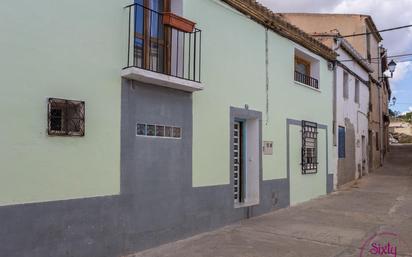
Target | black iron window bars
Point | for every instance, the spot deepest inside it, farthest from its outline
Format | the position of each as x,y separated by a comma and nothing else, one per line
66,117
307,80
309,147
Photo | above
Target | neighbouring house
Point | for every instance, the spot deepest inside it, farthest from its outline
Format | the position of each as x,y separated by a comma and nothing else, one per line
350,106
368,45
137,123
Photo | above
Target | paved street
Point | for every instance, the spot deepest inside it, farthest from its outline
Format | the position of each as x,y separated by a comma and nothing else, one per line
335,225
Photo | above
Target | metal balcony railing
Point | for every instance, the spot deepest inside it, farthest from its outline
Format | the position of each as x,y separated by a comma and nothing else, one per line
158,47
307,80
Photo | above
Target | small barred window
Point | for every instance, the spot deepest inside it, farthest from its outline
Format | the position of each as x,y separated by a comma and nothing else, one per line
66,117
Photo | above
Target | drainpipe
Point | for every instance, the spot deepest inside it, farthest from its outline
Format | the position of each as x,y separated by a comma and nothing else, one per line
380,71
380,124
267,73
338,42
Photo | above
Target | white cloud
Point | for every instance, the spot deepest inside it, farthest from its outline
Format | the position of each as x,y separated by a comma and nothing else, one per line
402,69
300,5
386,14
406,112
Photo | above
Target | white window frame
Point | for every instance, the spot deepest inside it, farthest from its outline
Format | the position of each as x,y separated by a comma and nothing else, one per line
160,125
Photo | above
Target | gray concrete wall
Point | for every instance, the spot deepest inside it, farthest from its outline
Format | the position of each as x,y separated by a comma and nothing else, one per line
157,203
329,183
347,166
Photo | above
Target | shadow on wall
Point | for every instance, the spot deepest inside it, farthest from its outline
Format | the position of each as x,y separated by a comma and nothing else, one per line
347,165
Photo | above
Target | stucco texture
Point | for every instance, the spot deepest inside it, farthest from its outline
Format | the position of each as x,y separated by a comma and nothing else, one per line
233,73
71,50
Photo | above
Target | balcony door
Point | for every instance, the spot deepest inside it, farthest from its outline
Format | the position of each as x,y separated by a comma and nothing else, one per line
152,38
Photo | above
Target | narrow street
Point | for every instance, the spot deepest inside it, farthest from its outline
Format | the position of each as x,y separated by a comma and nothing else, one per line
335,225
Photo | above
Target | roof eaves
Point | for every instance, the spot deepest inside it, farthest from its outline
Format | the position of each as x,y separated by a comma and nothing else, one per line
276,23
372,24
356,55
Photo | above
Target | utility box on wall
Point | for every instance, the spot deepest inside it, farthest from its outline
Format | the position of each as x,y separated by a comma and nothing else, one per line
268,147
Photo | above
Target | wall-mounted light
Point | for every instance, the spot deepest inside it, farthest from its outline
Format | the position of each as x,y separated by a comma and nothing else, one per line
392,67
393,100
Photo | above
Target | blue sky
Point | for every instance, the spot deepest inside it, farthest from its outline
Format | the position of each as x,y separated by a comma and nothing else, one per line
402,91
386,14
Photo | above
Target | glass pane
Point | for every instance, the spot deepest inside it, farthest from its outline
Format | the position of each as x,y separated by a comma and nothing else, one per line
168,132
139,17
156,25
177,132
157,5
156,57
74,112
156,36
160,131
151,130
138,53
301,68
141,129
56,119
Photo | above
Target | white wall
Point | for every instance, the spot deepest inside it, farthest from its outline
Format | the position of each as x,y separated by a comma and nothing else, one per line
357,113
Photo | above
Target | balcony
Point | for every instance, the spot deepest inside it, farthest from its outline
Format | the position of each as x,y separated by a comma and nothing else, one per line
307,80
163,49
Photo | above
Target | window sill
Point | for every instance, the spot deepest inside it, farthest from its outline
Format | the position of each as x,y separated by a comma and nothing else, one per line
310,172
158,79
246,204
304,85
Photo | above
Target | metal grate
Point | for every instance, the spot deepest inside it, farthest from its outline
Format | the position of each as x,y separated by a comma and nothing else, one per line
237,168
309,147
66,117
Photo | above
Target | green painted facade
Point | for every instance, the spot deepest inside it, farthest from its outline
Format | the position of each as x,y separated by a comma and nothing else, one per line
76,52
64,49
233,73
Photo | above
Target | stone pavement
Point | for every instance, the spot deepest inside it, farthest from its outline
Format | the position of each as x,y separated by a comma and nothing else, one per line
336,225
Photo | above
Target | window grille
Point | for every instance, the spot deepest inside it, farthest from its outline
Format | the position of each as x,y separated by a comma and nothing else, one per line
309,147
66,117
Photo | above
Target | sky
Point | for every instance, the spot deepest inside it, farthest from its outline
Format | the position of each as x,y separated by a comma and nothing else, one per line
386,14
